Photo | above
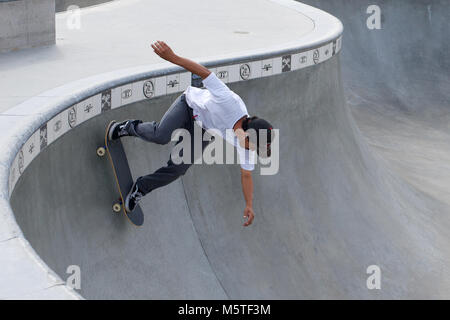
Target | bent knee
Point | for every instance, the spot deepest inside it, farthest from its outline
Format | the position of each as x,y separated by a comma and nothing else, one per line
161,139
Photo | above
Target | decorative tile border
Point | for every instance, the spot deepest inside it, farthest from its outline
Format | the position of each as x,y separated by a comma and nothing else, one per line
155,87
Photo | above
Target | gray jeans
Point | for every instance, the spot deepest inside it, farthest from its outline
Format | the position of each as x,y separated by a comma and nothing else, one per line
179,115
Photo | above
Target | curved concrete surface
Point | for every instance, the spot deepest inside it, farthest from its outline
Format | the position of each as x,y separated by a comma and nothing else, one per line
334,208
330,212
397,83
33,127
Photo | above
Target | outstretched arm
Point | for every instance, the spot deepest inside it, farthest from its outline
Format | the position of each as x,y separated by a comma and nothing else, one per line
247,188
164,51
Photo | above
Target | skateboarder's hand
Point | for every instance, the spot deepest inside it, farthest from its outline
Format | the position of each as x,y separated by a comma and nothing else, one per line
163,50
249,215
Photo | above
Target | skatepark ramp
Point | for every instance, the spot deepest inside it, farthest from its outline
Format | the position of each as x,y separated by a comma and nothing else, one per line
334,208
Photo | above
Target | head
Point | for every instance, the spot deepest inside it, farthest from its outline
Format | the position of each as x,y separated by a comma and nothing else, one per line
260,135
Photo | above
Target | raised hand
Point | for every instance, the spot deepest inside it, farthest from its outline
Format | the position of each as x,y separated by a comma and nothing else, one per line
164,51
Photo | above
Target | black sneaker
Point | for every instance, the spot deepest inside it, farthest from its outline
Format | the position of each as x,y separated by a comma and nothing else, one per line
133,197
119,130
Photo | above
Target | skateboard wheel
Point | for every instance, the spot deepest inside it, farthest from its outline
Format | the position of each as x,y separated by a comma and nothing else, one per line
101,151
117,207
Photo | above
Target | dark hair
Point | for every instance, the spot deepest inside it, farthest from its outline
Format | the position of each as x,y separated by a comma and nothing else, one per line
246,121
259,124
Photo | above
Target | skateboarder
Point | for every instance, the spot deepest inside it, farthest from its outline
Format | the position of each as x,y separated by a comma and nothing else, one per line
218,108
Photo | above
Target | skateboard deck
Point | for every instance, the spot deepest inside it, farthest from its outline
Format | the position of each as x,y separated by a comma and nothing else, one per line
123,177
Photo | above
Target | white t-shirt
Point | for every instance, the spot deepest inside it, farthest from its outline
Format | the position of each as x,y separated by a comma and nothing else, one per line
220,108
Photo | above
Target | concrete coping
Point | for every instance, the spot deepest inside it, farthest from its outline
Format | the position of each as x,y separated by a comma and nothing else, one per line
31,126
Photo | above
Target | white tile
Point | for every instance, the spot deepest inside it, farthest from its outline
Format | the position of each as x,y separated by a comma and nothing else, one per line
185,80
83,109
89,108
256,69
173,83
96,104
23,158
154,87
65,122
73,117
277,65
138,91
13,175
339,44
302,60
246,71
52,126
223,73
160,86
127,94
57,126
31,148
233,73
326,52
148,88
316,56
116,97
267,67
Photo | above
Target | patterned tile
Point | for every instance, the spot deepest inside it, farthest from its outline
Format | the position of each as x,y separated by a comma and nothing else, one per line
223,73
43,137
266,67
154,87
57,126
302,60
72,117
326,52
85,110
173,83
286,63
31,148
105,100
159,86
127,94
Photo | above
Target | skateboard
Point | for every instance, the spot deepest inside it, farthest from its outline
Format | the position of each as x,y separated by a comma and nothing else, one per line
122,175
